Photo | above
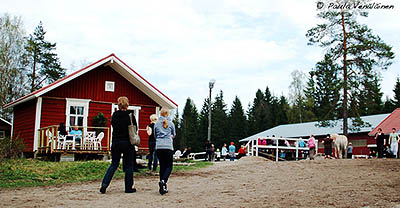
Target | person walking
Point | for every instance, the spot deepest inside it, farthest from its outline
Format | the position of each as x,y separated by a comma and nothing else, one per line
394,142
311,146
153,161
232,150
120,121
224,152
380,142
164,132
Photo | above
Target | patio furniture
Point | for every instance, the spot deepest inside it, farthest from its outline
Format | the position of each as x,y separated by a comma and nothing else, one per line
97,141
69,140
89,139
60,141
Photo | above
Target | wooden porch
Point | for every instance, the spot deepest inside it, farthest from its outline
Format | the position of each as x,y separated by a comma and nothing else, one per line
94,140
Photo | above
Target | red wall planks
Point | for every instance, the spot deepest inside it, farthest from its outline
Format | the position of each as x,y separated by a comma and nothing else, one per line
24,123
92,86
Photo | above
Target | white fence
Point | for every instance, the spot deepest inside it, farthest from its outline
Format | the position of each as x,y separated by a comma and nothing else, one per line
253,146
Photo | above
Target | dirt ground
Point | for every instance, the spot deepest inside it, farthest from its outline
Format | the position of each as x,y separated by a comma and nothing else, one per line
249,182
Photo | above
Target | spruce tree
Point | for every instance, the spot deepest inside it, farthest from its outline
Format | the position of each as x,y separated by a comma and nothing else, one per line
203,126
396,91
190,126
283,110
219,121
178,137
237,122
257,114
322,95
46,67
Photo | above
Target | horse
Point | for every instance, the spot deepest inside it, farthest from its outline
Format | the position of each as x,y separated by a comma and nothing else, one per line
340,143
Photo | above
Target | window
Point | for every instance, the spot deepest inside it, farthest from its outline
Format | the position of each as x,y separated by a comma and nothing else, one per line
77,112
109,86
76,115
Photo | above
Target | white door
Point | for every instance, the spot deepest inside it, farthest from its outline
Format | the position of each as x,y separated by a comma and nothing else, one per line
135,110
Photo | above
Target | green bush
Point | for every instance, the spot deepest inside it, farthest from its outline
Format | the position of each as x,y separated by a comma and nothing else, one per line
99,121
11,148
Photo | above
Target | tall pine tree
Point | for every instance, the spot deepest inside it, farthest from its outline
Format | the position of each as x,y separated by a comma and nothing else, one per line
46,67
353,47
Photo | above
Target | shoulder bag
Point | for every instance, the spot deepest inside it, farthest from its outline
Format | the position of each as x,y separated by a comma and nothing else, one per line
133,136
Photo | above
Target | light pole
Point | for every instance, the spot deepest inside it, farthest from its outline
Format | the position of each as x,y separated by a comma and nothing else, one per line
210,85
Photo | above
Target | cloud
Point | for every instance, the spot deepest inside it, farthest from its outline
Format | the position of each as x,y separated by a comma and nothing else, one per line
180,45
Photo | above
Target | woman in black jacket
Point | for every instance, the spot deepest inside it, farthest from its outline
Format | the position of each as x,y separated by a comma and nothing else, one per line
121,144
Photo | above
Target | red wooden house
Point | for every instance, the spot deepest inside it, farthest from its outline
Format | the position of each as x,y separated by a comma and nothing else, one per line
77,98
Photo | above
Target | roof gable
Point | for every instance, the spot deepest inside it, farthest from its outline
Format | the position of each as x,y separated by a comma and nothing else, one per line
119,66
391,121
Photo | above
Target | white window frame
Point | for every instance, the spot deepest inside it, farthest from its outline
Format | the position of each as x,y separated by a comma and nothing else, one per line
109,89
80,103
135,109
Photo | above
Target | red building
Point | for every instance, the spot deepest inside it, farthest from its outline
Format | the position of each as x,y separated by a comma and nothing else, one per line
77,98
390,122
5,128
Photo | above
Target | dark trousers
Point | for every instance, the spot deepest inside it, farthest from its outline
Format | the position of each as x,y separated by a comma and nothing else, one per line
349,155
380,150
118,148
152,157
165,156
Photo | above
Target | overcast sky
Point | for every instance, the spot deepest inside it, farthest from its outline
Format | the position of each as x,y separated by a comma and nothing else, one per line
179,46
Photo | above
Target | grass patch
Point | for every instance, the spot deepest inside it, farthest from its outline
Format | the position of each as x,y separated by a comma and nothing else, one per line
30,172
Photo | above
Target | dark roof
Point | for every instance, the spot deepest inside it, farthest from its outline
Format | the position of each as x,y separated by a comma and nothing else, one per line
392,121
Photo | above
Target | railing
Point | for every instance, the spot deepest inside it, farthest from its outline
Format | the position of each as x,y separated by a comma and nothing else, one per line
253,147
90,142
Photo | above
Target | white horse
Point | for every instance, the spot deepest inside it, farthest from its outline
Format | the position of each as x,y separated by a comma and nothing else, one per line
340,143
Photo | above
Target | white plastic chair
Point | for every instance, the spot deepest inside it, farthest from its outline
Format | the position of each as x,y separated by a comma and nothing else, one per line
60,141
89,139
69,140
97,141
49,137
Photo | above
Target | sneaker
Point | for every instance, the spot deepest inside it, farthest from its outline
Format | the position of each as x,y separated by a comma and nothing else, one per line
103,189
130,190
161,184
165,188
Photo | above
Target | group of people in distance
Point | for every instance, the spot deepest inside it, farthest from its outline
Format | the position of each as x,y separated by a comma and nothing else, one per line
225,153
163,131
390,146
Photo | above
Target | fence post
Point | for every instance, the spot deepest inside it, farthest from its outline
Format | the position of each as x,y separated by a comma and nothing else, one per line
277,154
297,150
256,144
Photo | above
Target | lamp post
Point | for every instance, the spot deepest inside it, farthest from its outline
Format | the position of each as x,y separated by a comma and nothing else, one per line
210,85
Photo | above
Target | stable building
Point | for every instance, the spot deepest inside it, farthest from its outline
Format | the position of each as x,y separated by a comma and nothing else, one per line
357,136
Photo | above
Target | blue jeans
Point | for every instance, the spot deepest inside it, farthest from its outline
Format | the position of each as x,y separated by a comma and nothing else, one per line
117,148
166,157
152,156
